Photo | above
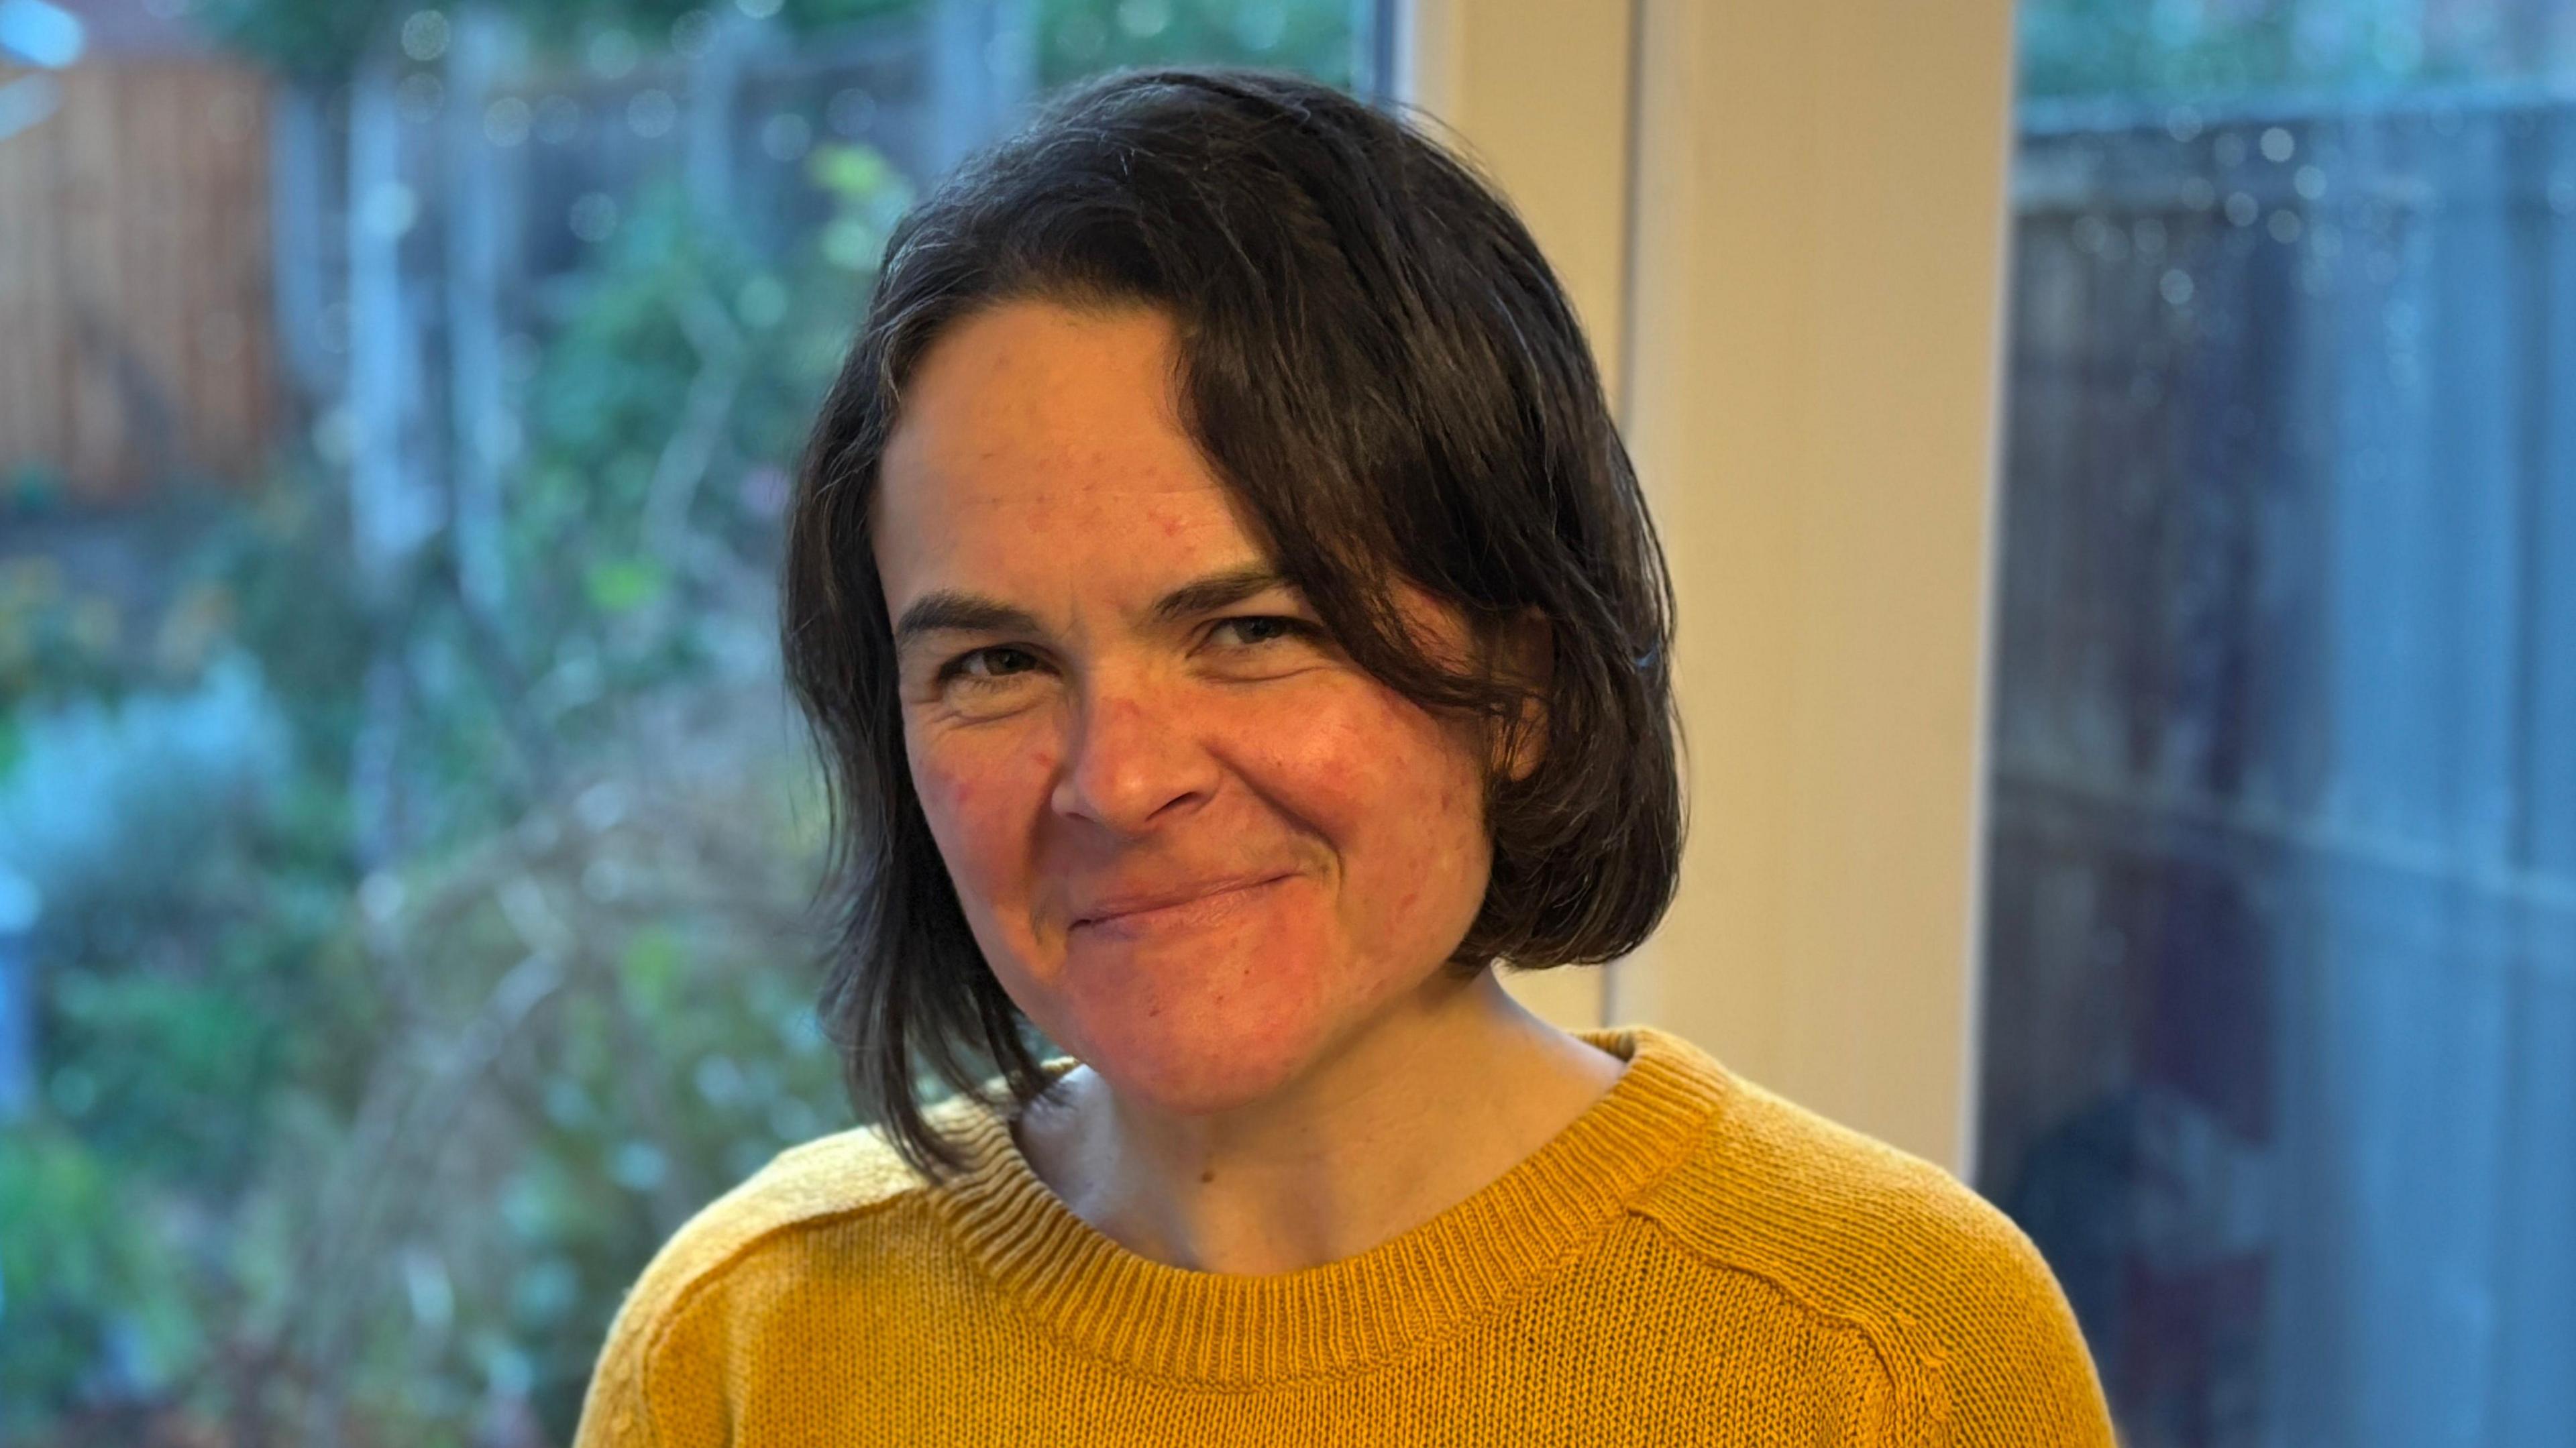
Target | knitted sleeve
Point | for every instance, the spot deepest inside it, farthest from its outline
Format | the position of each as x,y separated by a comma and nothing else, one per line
2015,1366
661,1380
614,1412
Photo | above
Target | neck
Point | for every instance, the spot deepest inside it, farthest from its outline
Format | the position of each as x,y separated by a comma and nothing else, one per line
1401,1121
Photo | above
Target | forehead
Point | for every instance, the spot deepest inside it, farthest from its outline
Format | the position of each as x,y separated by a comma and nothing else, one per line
1038,442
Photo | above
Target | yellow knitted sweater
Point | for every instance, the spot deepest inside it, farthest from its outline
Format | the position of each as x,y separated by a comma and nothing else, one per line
1691,1261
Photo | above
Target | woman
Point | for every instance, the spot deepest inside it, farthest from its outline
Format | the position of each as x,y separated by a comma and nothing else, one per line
1233,626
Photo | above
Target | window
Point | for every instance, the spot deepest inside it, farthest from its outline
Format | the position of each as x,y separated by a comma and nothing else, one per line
404,841
2281,926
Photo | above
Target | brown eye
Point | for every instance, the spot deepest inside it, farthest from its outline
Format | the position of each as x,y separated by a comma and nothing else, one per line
1261,628
999,661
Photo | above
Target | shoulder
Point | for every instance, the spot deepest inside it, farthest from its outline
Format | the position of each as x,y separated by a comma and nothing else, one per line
828,1179
1858,1231
725,1252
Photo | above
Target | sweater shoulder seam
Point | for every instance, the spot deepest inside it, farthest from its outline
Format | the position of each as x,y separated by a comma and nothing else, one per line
1891,1335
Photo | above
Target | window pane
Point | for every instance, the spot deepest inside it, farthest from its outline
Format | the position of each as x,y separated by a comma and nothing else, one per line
405,843
2280,1060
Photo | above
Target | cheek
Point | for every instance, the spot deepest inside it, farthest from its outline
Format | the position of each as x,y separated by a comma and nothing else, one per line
1399,798
979,796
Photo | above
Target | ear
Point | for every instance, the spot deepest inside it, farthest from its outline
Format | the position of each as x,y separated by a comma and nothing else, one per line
1524,653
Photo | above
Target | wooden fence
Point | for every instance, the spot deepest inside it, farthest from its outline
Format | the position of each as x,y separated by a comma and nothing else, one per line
134,279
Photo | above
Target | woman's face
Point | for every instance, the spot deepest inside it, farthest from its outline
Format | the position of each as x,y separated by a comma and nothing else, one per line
1198,845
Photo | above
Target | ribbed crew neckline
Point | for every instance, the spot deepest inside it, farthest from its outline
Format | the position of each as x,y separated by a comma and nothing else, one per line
1117,1305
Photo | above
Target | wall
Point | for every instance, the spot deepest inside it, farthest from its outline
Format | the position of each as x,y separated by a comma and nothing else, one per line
1807,263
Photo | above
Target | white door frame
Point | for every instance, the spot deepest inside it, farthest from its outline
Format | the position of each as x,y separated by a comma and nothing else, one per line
1784,227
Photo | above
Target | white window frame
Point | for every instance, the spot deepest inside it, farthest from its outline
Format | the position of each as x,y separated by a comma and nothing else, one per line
1784,227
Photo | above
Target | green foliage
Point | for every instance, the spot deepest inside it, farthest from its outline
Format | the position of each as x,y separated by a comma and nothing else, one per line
1081,37
56,637
324,39
2173,50
308,39
76,1295
659,423
160,1046
368,1114
321,40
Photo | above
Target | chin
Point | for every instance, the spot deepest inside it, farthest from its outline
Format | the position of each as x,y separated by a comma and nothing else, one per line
1199,1019
1200,1057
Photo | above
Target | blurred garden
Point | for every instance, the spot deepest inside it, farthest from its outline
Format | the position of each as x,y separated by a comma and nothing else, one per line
407,850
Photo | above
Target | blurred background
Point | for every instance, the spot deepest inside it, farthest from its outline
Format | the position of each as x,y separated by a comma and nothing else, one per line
2280,1030
405,843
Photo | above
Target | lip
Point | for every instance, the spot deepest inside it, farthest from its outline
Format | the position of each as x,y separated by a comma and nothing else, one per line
1146,908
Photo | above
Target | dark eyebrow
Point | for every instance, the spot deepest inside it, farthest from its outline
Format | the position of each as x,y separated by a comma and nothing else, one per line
1217,590
947,609
952,610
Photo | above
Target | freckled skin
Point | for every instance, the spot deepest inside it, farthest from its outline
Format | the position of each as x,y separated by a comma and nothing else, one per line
1040,462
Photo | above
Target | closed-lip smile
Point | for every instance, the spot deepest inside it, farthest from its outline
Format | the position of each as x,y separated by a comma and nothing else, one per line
1141,906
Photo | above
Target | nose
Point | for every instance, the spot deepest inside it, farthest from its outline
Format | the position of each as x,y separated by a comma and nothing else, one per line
1135,760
